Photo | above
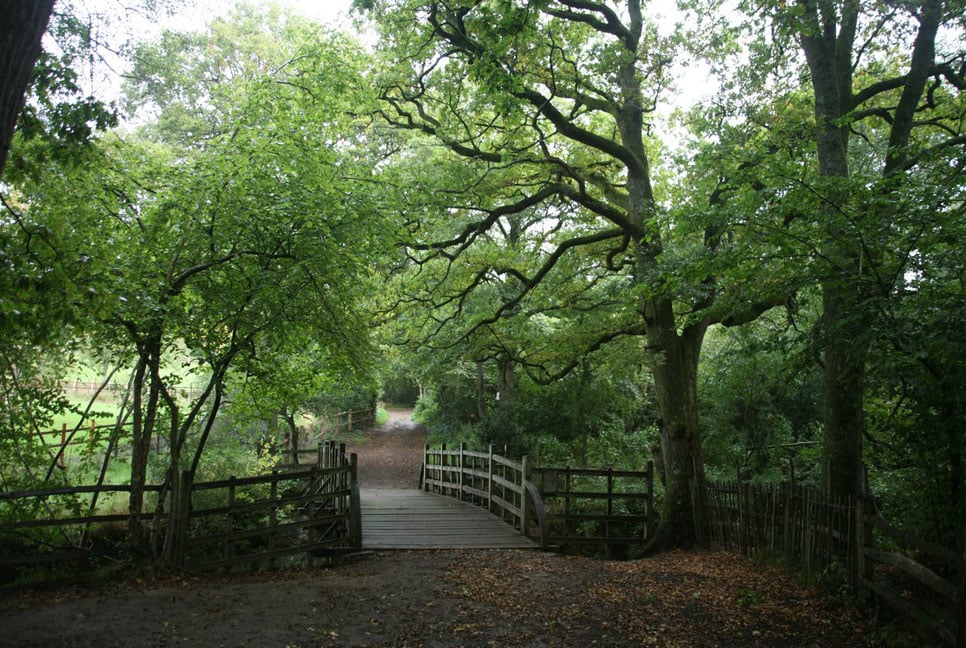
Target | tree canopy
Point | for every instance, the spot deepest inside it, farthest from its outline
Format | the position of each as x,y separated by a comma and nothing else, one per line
521,198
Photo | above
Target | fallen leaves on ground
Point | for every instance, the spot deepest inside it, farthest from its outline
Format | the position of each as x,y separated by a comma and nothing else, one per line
699,598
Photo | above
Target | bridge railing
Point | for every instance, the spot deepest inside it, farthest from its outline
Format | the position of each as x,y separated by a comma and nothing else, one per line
487,480
605,509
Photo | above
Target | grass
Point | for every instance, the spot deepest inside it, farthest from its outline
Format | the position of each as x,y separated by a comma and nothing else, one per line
382,416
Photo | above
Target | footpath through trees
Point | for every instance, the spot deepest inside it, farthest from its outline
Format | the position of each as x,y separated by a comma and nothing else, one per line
446,598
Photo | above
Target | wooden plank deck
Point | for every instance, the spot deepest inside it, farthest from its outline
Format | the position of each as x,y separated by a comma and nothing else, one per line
413,519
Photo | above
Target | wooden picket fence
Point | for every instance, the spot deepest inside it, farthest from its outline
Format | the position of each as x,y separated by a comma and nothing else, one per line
777,519
921,581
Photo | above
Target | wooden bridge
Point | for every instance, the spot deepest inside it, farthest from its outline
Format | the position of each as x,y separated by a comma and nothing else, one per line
479,499
415,519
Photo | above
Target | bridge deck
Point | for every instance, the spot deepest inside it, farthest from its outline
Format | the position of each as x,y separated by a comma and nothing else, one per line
413,519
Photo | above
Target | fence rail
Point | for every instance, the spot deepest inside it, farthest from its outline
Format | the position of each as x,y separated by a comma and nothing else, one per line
815,531
216,524
561,507
489,481
598,507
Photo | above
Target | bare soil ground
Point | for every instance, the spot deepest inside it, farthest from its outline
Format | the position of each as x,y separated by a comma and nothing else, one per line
444,598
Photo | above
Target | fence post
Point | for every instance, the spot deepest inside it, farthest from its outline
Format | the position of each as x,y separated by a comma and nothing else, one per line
181,517
230,521
859,572
524,464
459,479
63,445
649,500
489,480
444,463
961,591
608,549
355,503
273,516
424,483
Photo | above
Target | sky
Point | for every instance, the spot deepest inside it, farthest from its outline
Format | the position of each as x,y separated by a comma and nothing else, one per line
327,11
193,15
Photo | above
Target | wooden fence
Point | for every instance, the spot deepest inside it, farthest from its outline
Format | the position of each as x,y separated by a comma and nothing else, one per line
255,519
792,521
86,438
923,582
601,508
489,481
217,524
63,519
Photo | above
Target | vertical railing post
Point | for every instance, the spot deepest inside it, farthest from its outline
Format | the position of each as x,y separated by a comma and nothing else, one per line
181,517
355,503
459,479
961,591
230,522
63,445
426,474
524,464
489,480
273,516
608,549
444,464
649,500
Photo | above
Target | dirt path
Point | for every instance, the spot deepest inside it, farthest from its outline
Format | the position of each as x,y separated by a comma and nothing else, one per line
445,598
390,455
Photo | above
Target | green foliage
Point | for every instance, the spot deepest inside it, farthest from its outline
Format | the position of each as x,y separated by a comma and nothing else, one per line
761,402
601,416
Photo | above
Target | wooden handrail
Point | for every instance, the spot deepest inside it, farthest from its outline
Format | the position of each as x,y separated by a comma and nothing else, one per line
541,512
453,472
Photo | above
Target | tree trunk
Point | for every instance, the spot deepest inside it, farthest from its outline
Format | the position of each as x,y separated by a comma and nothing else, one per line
293,433
21,30
827,45
676,366
145,418
675,382
480,391
507,382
